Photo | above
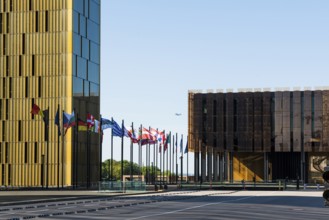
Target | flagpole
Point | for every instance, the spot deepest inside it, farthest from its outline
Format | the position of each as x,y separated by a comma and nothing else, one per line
75,134
176,159
47,144
156,162
181,163
63,138
187,159
88,156
122,154
173,159
58,142
112,152
140,153
100,139
167,151
131,153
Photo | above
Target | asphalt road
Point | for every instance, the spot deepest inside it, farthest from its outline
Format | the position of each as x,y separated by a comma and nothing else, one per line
182,205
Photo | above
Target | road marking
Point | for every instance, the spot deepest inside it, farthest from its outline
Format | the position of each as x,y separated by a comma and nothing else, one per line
68,207
39,210
194,207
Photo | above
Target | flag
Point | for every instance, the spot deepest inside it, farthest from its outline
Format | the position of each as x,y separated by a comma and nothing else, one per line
36,110
181,145
106,123
132,135
145,134
82,125
68,121
175,144
97,126
125,131
116,130
186,148
57,122
90,121
168,140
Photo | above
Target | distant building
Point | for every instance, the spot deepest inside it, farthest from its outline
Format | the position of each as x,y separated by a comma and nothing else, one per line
49,56
259,135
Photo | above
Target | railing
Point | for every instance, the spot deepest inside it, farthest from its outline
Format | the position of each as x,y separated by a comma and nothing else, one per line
122,187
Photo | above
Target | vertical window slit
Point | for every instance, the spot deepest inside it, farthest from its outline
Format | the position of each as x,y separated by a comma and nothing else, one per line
19,130
23,43
20,68
26,153
46,21
36,21
32,64
35,152
26,87
39,86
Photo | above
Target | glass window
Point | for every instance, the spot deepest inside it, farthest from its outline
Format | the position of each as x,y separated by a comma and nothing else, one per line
93,72
94,52
92,31
74,65
77,86
76,44
85,48
94,89
86,8
94,11
83,26
75,22
86,88
82,68
78,6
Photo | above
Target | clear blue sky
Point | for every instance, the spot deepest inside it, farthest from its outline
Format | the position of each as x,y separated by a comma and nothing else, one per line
153,52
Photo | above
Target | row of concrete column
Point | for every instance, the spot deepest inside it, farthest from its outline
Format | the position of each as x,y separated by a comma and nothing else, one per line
210,165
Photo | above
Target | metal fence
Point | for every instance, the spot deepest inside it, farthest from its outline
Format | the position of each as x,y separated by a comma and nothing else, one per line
119,186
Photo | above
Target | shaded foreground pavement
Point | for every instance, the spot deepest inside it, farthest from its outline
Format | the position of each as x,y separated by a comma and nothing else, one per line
198,204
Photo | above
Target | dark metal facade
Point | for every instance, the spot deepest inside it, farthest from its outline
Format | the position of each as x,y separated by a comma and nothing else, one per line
225,129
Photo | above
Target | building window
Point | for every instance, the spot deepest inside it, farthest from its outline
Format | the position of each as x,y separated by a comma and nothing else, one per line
26,153
0,153
40,86
46,21
36,21
23,43
3,130
4,87
20,65
30,5
19,130
215,107
3,175
32,105
7,66
32,64
0,109
36,152
4,44
9,174
7,109
0,23
10,87
26,87
7,22
7,153
11,5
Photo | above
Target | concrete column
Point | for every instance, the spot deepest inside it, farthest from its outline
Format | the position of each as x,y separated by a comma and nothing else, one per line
265,167
215,165
209,163
203,165
196,167
231,167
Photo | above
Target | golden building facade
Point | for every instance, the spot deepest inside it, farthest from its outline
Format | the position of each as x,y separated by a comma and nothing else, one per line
49,56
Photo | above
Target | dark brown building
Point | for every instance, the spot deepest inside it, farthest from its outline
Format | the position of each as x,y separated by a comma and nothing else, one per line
259,135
